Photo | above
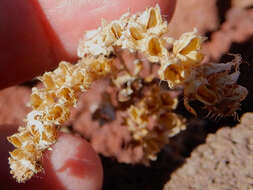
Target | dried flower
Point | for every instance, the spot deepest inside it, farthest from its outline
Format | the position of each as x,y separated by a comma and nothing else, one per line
215,86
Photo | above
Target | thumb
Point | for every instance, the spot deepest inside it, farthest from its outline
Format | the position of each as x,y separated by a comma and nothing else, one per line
74,164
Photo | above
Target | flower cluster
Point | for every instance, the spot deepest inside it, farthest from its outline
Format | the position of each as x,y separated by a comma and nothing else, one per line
51,107
144,35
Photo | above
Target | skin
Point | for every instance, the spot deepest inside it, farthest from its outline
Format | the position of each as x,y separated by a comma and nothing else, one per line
35,37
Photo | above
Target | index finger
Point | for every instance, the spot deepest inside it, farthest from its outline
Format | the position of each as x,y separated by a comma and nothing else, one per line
37,34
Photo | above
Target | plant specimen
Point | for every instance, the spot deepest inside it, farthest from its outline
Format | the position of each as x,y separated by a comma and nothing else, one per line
101,52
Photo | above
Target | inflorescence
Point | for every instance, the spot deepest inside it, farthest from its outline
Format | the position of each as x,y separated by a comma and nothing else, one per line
144,36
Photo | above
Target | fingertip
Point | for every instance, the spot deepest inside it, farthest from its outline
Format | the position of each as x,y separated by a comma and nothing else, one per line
74,164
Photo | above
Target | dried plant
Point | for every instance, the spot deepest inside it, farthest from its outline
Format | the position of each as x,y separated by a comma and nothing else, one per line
144,36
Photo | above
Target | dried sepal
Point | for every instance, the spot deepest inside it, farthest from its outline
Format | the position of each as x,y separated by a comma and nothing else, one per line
172,71
187,47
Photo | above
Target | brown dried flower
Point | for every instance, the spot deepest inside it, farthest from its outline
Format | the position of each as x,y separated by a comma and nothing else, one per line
214,84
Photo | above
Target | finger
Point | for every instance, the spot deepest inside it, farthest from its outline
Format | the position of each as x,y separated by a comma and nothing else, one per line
72,164
36,35
25,47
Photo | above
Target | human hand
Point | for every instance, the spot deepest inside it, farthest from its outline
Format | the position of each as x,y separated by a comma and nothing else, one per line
35,36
